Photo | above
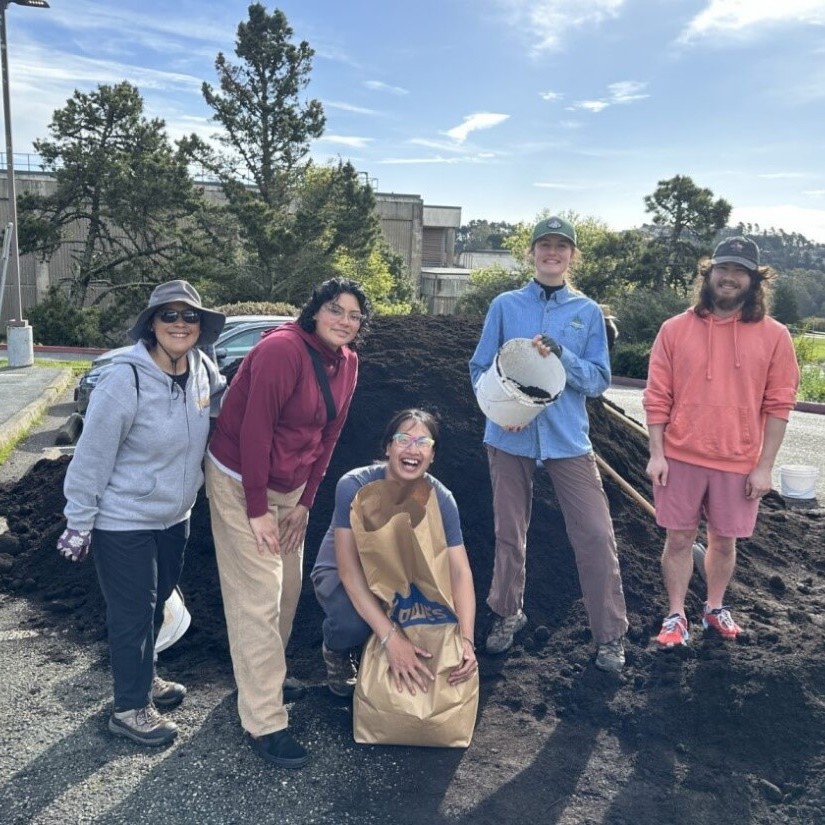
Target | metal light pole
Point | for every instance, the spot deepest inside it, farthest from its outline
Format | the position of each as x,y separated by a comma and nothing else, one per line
18,333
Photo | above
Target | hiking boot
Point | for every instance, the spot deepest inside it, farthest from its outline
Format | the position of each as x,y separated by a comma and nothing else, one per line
502,630
143,725
166,694
721,621
294,689
610,656
341,671
674,632
280,749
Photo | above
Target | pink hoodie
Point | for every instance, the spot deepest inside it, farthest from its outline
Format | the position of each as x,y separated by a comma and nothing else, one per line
713,382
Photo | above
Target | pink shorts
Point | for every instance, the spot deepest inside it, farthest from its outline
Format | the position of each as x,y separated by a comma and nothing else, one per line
694,491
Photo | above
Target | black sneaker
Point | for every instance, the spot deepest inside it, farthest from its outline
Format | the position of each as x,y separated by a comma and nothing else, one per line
294,689
143,725
280,749
167,694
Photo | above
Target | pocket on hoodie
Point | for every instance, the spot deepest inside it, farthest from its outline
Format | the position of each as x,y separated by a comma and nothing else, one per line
715,431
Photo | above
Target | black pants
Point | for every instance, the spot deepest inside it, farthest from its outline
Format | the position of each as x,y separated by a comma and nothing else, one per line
137,571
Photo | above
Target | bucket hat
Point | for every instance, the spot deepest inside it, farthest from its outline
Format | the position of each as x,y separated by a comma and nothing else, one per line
178,291
553,226
737,250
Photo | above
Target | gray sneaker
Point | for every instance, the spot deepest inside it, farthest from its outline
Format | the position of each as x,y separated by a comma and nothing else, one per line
143,725
341,672
167,694
610,656
502,630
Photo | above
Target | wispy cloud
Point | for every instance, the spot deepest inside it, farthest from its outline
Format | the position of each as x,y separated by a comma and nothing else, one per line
438,145
546,23
781,175
475,122
347,140
551,96
814,193
348,107
379,86
569,187
747,17
624,91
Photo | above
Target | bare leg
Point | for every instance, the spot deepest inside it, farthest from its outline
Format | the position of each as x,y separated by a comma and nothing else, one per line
720,561
677,567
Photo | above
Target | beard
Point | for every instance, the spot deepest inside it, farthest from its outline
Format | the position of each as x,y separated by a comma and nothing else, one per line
724,301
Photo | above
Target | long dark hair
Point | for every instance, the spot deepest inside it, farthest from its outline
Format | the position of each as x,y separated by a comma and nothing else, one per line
755,306
328,291
410,414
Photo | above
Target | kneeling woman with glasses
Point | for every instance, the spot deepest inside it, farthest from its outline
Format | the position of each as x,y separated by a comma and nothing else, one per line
280,420
352,610
131,484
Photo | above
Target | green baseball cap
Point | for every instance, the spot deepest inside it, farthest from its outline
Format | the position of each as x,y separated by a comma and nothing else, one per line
554,226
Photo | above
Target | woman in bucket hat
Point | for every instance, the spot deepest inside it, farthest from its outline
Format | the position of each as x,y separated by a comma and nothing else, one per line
131,485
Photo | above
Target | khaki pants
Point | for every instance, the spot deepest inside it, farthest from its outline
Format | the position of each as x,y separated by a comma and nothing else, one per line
583,504
260,597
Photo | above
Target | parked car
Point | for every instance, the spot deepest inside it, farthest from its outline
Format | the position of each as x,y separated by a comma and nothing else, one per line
235,342
89,379
239,335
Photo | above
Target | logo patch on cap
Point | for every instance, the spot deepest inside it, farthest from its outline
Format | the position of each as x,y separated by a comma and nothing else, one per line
554,224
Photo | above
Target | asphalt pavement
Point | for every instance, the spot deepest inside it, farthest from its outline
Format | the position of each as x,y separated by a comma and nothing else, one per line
58,763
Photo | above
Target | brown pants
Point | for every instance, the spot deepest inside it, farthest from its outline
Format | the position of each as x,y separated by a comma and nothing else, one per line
260,597
583,503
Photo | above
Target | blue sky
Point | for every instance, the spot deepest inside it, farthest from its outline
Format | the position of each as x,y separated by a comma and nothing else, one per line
501,107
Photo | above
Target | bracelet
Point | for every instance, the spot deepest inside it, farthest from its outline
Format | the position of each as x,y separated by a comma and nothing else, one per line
468,639
393,628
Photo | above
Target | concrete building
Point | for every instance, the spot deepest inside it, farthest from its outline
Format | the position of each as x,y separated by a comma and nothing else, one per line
423,236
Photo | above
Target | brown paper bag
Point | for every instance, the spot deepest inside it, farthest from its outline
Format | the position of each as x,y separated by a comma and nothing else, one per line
403,550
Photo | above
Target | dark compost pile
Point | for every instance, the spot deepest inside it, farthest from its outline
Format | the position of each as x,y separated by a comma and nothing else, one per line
732,731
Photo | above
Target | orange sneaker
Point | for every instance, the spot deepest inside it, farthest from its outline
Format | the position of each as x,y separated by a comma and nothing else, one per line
721,621
674,632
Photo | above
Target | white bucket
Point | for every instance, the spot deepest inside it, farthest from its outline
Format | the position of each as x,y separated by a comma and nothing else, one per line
798,480
519,366
176,621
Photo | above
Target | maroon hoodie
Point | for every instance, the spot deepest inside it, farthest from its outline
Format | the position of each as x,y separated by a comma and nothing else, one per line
272,428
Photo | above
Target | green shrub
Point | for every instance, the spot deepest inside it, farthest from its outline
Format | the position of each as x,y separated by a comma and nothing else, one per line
812,323
56,323
630,360
812,384
641,312
259,308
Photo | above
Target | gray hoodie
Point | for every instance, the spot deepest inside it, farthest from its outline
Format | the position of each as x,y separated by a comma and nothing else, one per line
137,465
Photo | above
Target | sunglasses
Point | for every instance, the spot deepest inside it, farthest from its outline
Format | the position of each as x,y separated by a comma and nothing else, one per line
423,442
189,316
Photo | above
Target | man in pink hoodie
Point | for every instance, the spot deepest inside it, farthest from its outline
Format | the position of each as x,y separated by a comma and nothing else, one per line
721,384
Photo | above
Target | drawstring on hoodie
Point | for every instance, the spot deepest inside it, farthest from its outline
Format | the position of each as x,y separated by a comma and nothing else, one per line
736,360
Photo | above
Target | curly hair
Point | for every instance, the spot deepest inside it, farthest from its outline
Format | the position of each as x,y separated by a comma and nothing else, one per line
755,306
410,414
328,291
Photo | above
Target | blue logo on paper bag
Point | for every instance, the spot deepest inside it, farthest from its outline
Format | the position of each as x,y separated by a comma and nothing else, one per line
416,609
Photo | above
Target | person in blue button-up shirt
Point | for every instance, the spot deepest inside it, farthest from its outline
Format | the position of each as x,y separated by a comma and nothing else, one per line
566,323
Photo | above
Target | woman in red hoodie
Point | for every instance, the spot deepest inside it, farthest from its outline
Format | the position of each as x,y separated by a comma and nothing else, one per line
279,423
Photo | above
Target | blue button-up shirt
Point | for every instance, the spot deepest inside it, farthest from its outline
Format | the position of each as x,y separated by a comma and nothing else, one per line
561,430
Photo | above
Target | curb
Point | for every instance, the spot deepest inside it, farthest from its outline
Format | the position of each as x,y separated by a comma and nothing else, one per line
21,422
640,383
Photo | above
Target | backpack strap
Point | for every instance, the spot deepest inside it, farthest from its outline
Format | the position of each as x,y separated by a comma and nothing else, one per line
323,382
137,380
